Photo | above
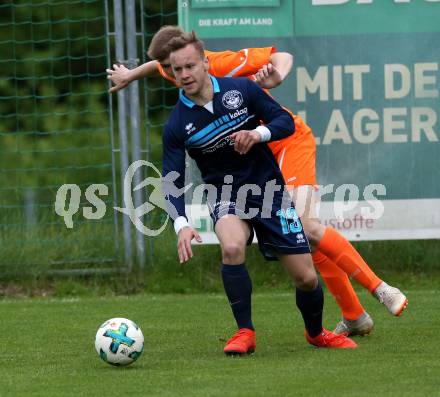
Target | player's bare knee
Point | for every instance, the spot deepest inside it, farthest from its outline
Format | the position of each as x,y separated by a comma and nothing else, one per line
233,252
307,282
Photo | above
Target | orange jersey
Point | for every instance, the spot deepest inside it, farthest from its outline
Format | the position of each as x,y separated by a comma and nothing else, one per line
290,151
242,63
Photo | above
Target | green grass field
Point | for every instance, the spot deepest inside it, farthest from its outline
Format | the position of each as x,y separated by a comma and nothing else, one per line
48,349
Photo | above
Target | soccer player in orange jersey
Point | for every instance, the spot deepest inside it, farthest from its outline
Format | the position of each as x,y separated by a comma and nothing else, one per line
334,257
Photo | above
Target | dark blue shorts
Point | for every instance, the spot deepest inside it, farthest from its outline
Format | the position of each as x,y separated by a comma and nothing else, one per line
278,229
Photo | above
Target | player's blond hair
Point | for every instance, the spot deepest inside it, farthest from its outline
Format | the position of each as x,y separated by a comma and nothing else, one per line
181,41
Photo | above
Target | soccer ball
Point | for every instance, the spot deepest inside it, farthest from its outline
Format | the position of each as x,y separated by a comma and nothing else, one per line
119,341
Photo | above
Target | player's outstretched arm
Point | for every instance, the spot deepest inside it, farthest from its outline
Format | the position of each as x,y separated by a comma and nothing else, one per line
272,75
184,250
283,62
121,76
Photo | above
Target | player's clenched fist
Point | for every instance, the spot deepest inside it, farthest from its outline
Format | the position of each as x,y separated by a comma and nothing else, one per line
244,140
268,77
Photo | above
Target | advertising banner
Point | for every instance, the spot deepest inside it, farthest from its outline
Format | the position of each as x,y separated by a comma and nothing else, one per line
366,79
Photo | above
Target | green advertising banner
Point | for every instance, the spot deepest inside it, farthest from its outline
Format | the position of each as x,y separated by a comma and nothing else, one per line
217,18
325,17
367,80
234,3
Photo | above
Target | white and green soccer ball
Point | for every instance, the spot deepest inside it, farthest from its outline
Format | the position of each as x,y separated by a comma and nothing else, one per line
119,341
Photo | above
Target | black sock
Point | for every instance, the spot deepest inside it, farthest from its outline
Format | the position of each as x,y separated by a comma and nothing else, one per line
238,288
310,303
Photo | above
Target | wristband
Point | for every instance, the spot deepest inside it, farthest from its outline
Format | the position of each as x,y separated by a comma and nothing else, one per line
180,223
264,132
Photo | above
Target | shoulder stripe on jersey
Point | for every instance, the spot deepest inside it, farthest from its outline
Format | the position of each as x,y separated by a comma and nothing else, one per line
215,133
210,127
235,70
212,133
215,136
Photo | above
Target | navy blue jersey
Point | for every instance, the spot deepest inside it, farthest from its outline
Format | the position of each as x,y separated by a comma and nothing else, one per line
238,104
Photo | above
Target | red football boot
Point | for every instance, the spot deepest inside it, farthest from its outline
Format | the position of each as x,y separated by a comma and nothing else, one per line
331,340
242,342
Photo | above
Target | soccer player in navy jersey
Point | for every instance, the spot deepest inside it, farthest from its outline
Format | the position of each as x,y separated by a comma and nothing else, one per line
218,122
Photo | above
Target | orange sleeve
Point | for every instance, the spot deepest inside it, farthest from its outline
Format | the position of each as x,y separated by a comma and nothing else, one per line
240,63
164,75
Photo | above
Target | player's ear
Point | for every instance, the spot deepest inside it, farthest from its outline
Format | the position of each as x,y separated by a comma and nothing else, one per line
206,64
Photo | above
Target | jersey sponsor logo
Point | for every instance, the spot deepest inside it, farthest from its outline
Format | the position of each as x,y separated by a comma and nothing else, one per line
232,99
219,144
224,203
238,113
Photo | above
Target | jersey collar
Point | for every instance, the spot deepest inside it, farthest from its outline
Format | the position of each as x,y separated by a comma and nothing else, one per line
188,101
